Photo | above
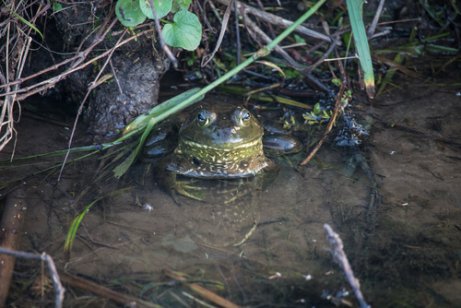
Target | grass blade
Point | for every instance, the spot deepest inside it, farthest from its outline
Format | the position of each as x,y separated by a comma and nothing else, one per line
72,233
29,24
354,9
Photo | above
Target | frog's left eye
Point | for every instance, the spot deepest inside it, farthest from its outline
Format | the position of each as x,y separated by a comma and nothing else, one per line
245,114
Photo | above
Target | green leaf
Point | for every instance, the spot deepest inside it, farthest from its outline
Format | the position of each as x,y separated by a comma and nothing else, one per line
317,109
125,165
56,7
77,221
129,13
29,24
181,5
161,7
299,39
185,31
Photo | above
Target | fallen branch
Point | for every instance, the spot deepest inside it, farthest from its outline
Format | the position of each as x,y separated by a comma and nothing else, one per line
58,288
340,257
203,292
90,286
10,233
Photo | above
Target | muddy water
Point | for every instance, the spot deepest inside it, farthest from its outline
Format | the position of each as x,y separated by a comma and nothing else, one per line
266,245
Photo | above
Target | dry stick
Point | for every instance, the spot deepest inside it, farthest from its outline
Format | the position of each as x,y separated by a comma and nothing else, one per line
163,45
337,111
49,83
87,285
10,100
382,33
374,23
225,21
10,233
324,56
277,48
213,9
337,250
21,64
99,37
48,69
114,73
56,66
78,58
276,20
203,292
58,288
237,33
306,70
7,135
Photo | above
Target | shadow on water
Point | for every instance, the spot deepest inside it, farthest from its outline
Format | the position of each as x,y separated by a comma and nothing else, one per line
264,245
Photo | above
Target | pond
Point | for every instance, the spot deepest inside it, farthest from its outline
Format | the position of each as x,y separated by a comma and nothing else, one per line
398,213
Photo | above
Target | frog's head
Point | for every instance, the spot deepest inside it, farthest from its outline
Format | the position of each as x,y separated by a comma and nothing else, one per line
220,140
221,126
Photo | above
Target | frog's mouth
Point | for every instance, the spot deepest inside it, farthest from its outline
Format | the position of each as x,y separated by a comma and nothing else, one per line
228,147
204,161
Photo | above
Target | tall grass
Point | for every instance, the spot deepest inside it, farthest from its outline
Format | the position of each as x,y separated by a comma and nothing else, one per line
355,9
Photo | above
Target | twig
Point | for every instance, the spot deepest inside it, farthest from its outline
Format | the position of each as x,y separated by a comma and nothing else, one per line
203,292
337,111
303,69
324,56
114,73
337,250
49,83
224,23
87,285
374,23
276,20
10,233
292,62
58,288
100,35
237,33
163,45
9,101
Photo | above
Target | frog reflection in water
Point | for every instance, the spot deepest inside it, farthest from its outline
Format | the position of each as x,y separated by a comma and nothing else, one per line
219,159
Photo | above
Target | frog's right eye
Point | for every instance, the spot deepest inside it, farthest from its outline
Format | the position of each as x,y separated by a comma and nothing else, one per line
201,117
205,117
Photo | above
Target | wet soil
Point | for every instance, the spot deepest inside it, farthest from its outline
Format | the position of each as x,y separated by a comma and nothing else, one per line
270,249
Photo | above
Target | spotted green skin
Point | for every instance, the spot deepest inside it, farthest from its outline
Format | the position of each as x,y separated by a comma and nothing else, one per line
219,140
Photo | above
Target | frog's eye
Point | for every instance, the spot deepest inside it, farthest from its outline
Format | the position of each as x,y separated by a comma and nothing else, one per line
205,117
201,117
245,115
242,117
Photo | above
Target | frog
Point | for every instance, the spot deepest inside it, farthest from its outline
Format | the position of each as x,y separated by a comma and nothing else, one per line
219,162
222,140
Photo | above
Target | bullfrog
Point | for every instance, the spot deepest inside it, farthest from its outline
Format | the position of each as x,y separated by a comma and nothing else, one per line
218,161
221,140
